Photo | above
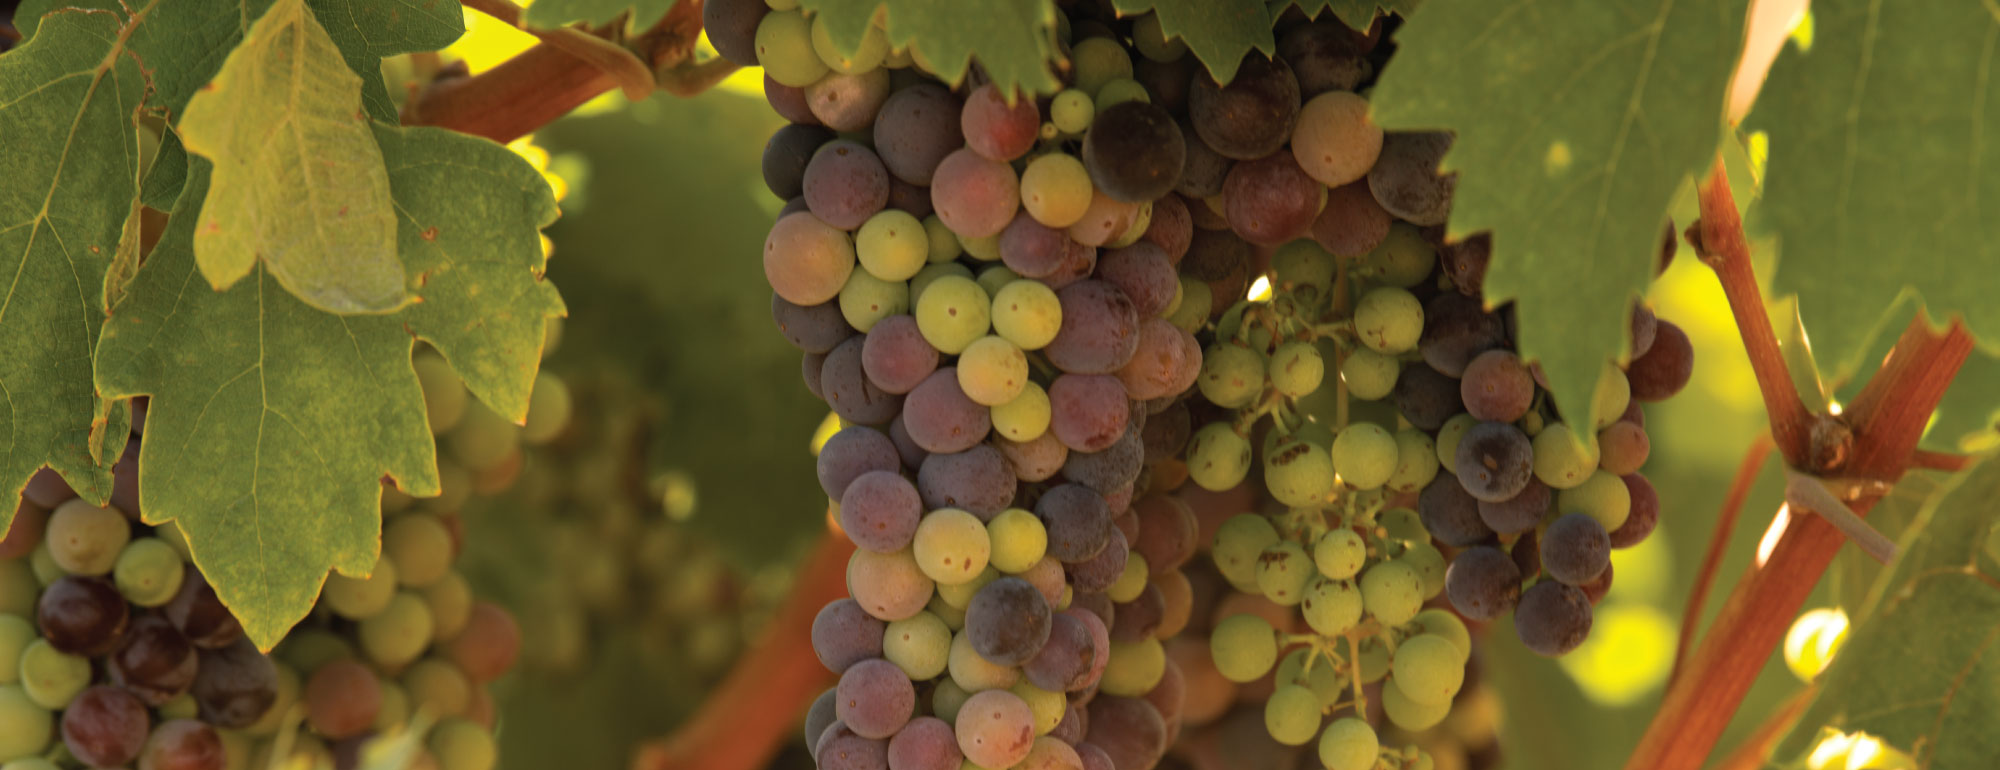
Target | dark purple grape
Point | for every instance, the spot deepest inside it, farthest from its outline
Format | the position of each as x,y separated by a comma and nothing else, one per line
1352,223
1094,758
916,128
1456,329
1063,664
1497,386
1271,200
1171,227
1133,151
1645,512
1426,397
1252,116
1575,549
1215,255
1324,56
880,511
845,184
1169,533
789,102
811,367
1078,522
1096,605
235,685
1645,329
941,418
1465,262
1405,179
156,663
844,634
732,28
1032,249
1088,412
1129,730
1008,621
874,698
1100,329
1495,461
1114,468
1167,82
1595,590
1552,618
1166,434
1073,725
1203,170
840,748
843,380
1140,618
794,206
977,480
819,716
912,199
83,615
1527,554
1099,572
895,356
1664,369
1518,513
105,727
812,328
1450,514
926,743
906,448
200,616
183,744
1143,271
1483,583
853,451
786,156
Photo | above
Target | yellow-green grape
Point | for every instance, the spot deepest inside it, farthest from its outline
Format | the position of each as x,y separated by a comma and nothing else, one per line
1365,455
1369,375
1409,713
974,673
1298,472
943,243
1303,263
450,600
1055,189
1449,435
18,588
952,313
50,677
1562,459
148,573
1332,606
1603,496
1297,369
1403,524
994,277
1047,707
951,546
1191,311
1238,544
483,439
549,409
454,485
1416,461
1291,715
1244,646
394,715
1027,314
992,371
399,633
1349,744
309,649
1232,376
784,49
933,273
1428,668
1283,572
1135,668
1443,624
960,594
1132,581
986,249
44,564
1429,564
85,539
1403,258
1121,91
947,699
1099,61
1340,553
462,744
920,645
871,52
421,547
1810,644
893,245
1217,457
1152,42
1072,111
28,726
1392,592
359,598
1389,320
182,706
438,687
288,687
1019,540
1613,394
1141,220
866,299
1026,417
15,635
444,392
1325,679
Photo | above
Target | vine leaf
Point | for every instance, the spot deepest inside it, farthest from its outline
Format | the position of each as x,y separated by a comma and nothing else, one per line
1220,34
549,14
1878,186
1575,125
69,100
1358,14
1921,667
297,181
1014,40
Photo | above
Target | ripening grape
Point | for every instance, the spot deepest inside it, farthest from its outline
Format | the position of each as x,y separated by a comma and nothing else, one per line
1055,189
951,546
892,245
1575,549
992,371
1334,140
975,196
1602,496
806,260
1562,459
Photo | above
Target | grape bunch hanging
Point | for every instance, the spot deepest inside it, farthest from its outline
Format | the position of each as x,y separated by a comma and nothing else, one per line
1030,316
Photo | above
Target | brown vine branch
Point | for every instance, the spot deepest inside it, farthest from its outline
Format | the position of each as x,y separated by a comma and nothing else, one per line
1718,543
749,715
632,74
1751,753
1939,461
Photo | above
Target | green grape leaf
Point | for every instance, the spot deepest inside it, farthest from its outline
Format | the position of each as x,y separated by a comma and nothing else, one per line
1358,14
69,104
1918,669
298,182
1014,40
1968,418
549,14
1877,186
1218,32
1575,126
161,187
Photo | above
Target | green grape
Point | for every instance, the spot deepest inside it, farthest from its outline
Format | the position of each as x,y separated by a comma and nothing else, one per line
450,601
1238,544
992,371
1613,394
1428,669
444,393
1403,524
45,567
1099,61
1284,571
1071,111
50,677
1324,680
943,244
1349,744
85,539
1047,707
1562,460
421,546
785,51
1298,473
1217,457
1373,661
1135,668
462,744
893,245
951,546
1121,91
359,598
874,48
30,763
994,277
18,588
308,649
985,249
149,572
1365,455
1448,436
1392,592
1152,41
1332,606
1197,300
1403,258
183,706
16,633
1443,624
394,714
934,272
1603,496
953,617
952,313
483,439
1303,263
782,5
1244,646
1055,189
1369,375
974,673
920,645
1416,461
1408,713
1296,368
1429,564
1291,715
865,299
1340,553
947,698
399,633
1026,417
549,408
1389,320
1232,376
24,726
960,594
1019,540
1027,314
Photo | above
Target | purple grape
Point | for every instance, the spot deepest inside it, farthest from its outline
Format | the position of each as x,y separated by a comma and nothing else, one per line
789,102
845,184
83,615
1483,583
184,744
810,328
732,28
1171,228
880,510
786,156
1032,249
1094,758
1352,223
1088,413
199,613
1518,513
1450,514
926,743
847,455
1663,370
941,418
1324,57
1078,522
1575,549
1098,572
1645,512
819,716
849,102
105,727
1143,271
235,685
1214,255
1166,364
1109,470
1252,116
840,748
1073,725
1645,329
1169,533
997,130
1495,461
1203,169
845,384
1064,662
1133,151
811,367
1271,200
1099,330
913,199
1008,621
1497,386
974,196
895,356
844,634
1078,263
155,662
1465,262
1405,179
977,480
916,129
874,698
1166,434
1425,397
1552,618
1137,620
1456,329
1129,730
